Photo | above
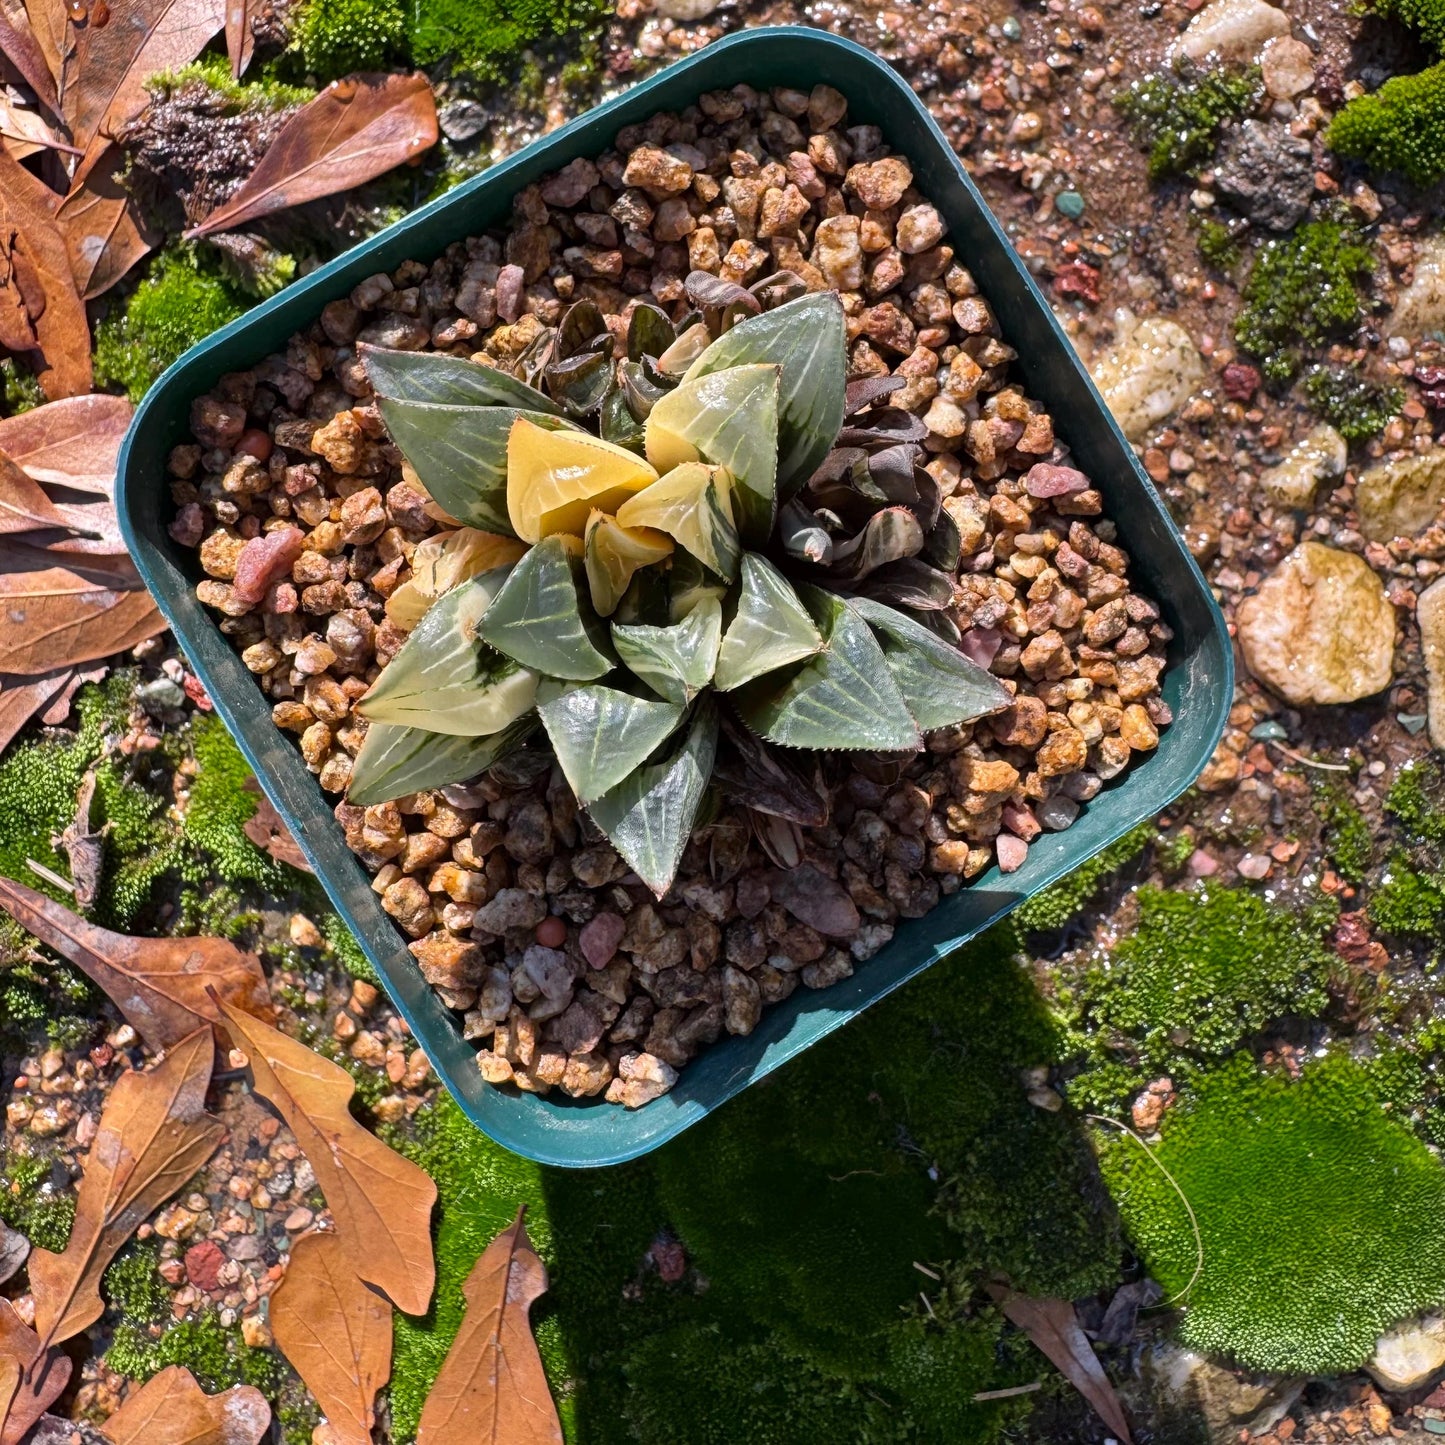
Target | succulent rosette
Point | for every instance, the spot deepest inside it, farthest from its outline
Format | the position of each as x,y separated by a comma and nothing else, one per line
700,564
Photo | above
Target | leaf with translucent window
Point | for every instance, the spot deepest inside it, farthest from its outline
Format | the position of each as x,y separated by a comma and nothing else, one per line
601,734
433,376
396,760
770,629
676,662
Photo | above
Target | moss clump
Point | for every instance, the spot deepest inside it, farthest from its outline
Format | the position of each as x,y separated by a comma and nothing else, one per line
214,1353
1058,903
20,390
1177,115
220,806
482,36
1425,17
1301,290
180,303
1417,801
36,1202
337,37
1317,1213
1355,407
1408,901
133,1289
480,1186
1217,244
1348,840
214,72
1206,969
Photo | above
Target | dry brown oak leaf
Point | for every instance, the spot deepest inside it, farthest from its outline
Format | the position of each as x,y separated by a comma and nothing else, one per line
69,443
104,232
491,1389
40,309
381,1202
107,66
24,507
356,129
56,618
336,1333
22,697
160,984
1054,1328
154,1134
20,47
31,1377
172,1409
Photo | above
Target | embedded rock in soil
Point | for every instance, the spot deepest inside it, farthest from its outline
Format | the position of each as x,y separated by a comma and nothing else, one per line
1420,307
1320,629
1152,369
1230,1400
1401,497
1266,173
1430,614
1288,67
1319,456
1410,1356
1233,30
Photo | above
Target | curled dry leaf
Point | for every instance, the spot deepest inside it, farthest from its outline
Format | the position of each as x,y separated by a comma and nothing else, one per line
1052,1326
24,507
105,70
99,526
268,831
40,309
25,131
22,697
59,710
492,1389
56,618
20,47
336,1332
104,232
154,1133
163,986
84,847
381,1202
356,129
172,1409
69,443
31,1376
240,41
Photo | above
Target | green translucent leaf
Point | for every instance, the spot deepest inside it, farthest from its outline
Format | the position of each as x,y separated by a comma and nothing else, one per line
675,662
444,678
396,760
601,735
729,418
940,685
770,629
433,376
542,619
648,817
808,340
459,453
688,584
693,505
844,697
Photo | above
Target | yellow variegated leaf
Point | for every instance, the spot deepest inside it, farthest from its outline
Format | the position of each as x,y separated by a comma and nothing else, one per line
443,561
614,553
555,479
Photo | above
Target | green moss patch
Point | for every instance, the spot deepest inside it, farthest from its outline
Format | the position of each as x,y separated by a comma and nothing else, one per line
1348,840
1319,1216
34,1200
1176,115
1302,289
1355,407
179,303
1058,903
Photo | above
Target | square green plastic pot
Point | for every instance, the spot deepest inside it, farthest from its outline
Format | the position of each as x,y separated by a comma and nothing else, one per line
1198,682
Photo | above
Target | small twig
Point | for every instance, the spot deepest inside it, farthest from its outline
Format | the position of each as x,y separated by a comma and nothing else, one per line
1308,762
1183,1199
924,1269
928,1306
869,1173
1009,1393
54,879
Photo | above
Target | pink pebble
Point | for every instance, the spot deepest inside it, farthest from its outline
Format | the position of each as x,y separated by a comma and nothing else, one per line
1253,866
980,645
1046,480
1019,819
1202,864
510,293
600,937
1011,852
264,560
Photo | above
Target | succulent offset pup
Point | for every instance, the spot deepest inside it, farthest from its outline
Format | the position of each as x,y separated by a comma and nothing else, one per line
740,566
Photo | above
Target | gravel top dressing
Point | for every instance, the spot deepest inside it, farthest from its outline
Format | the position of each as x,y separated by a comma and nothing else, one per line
701,494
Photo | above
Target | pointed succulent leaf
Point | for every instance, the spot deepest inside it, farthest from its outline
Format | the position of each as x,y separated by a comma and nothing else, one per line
910,583
888,536
770,629
648,817
691,342
844,697
581,327
649,332
729,418
395,760
601,735
689,584
808,340
581,382
940,684
676,662
459,453
433,376
616,422
771,780
541,619
944,544
444,560
694,504
444,678
555,479
642,387
803,535
614,553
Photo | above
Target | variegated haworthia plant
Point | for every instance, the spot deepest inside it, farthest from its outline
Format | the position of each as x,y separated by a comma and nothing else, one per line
692,566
